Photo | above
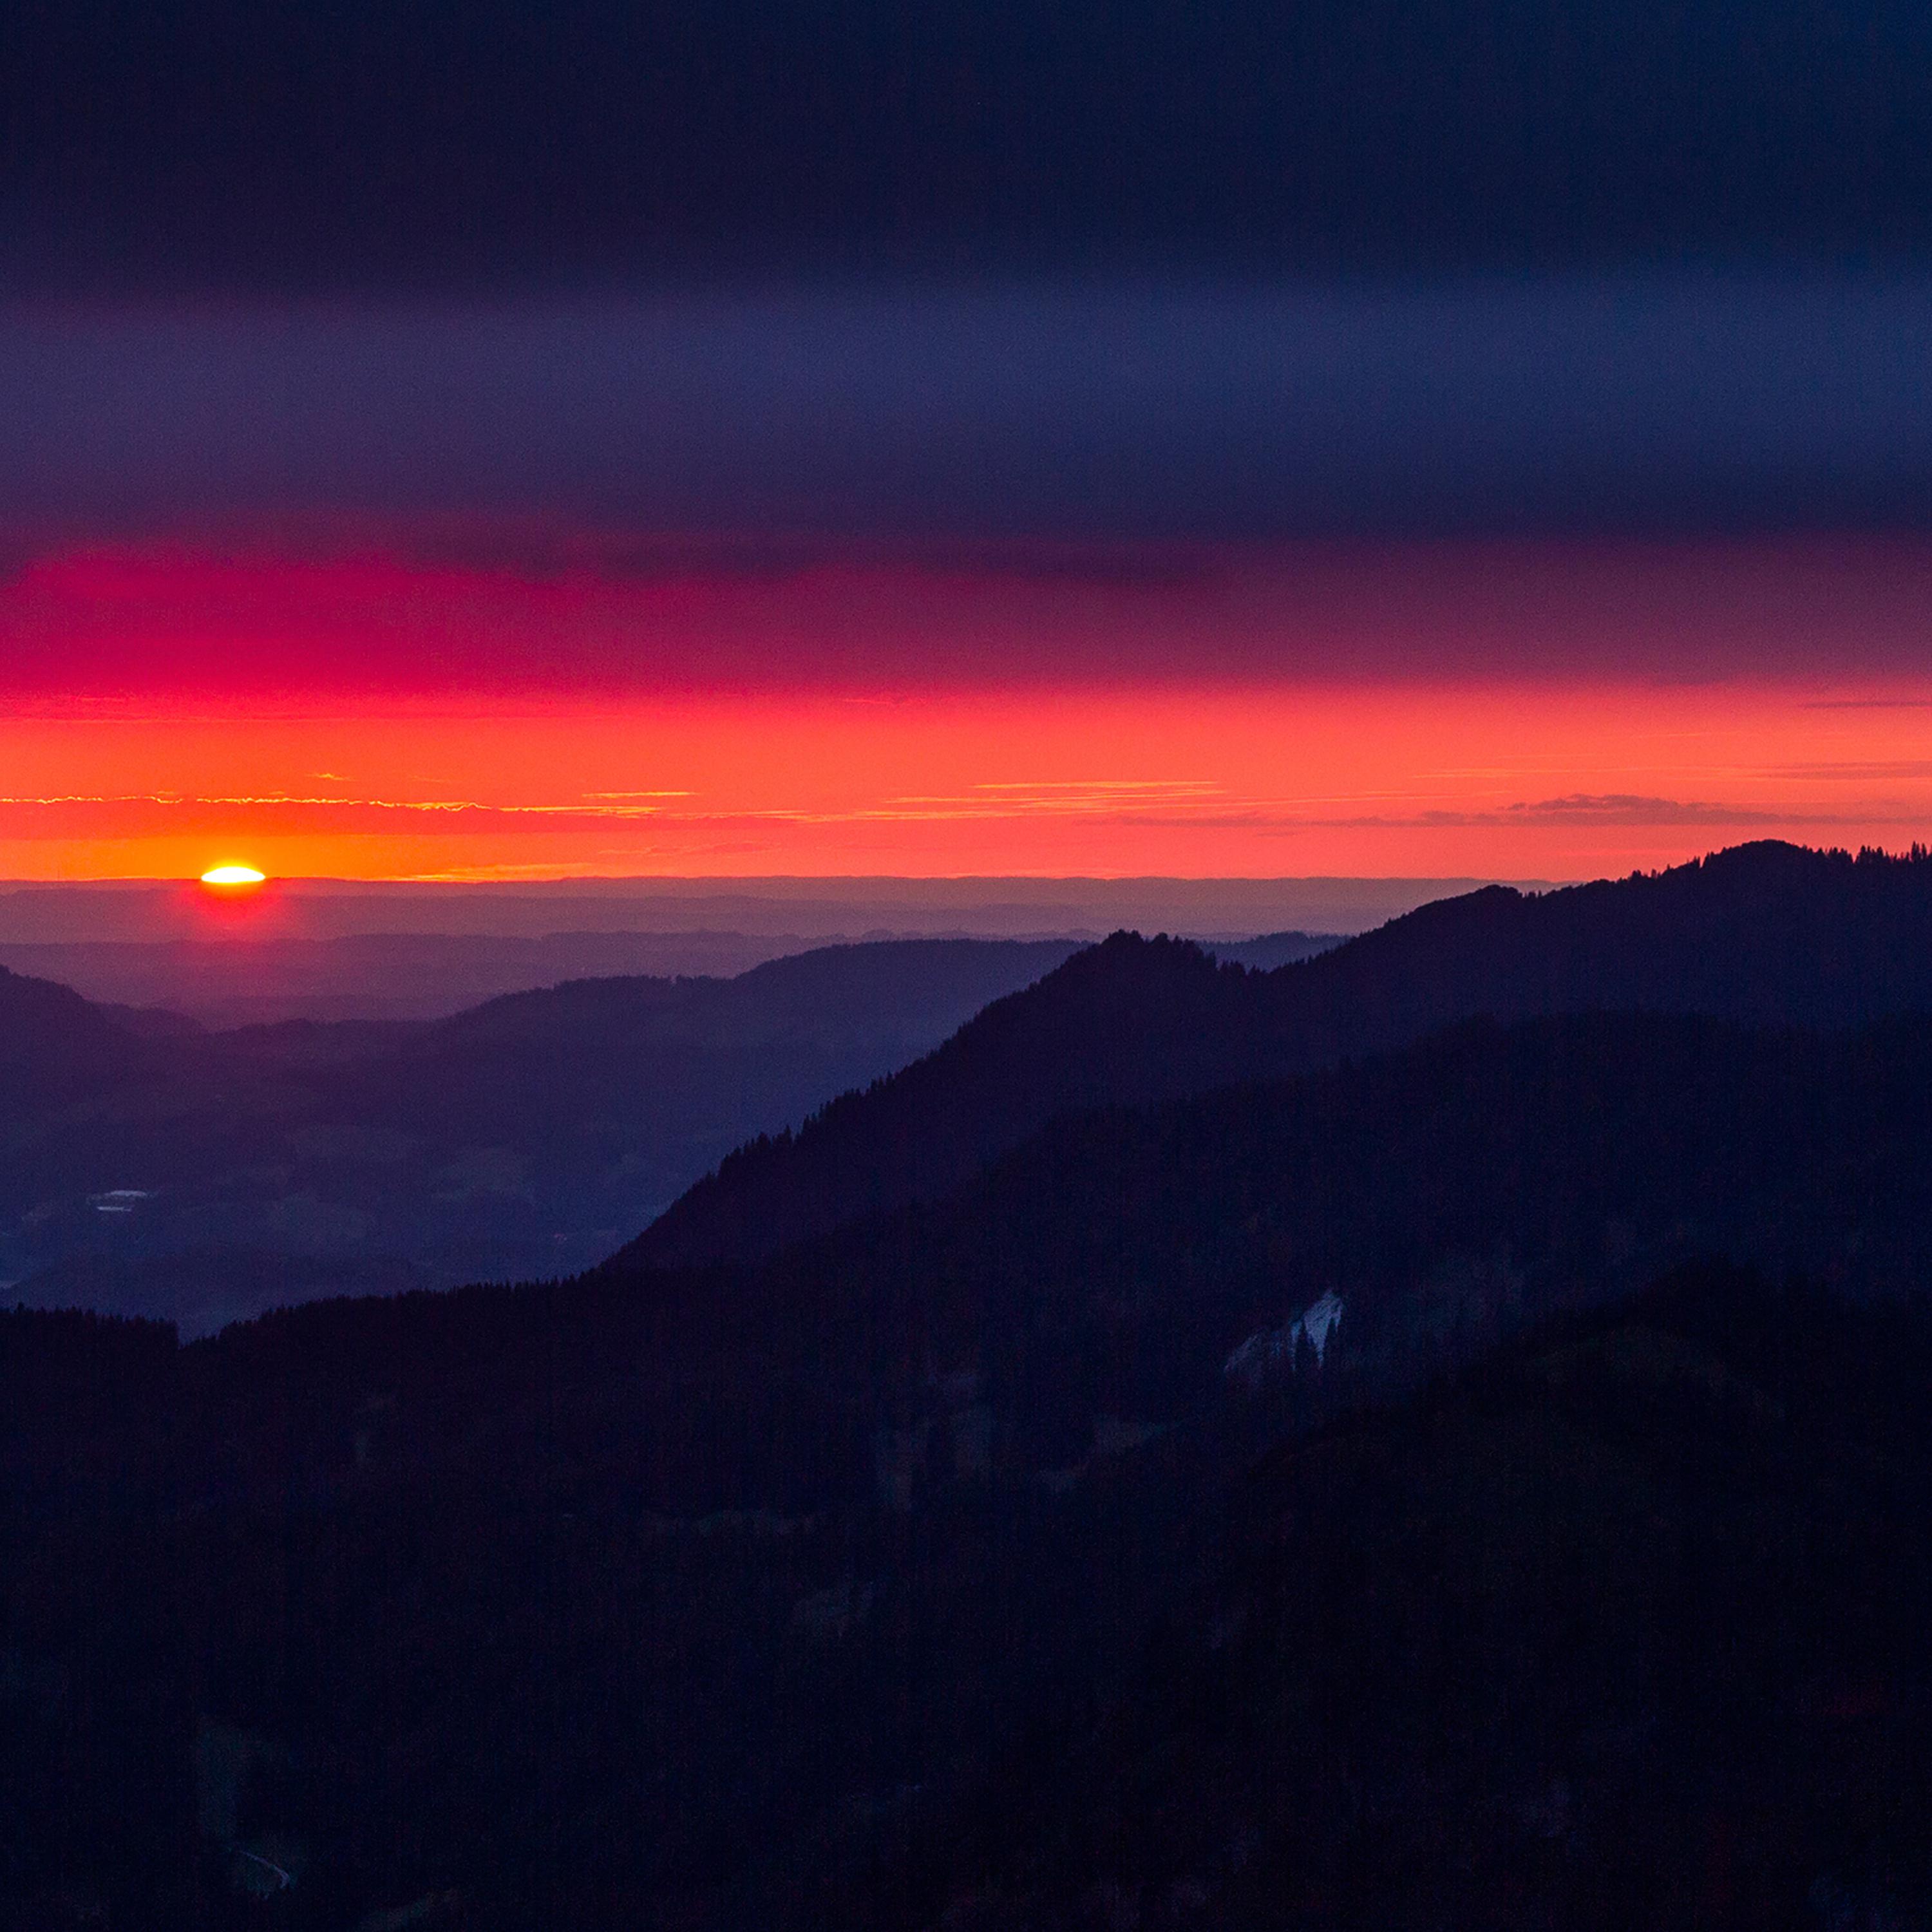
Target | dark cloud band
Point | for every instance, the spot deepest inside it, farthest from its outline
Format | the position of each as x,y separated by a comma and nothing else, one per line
1026,412
365,144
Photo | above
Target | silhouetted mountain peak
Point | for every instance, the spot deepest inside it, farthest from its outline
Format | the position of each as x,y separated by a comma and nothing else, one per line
1130,1019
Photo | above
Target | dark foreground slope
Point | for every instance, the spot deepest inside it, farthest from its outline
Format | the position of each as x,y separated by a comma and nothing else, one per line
792,1595
1623,1628
204,1176
1763,934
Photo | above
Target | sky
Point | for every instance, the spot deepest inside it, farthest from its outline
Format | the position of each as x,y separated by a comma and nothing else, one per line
489,441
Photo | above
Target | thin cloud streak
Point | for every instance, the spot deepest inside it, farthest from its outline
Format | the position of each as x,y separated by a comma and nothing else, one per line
290,801
1150,802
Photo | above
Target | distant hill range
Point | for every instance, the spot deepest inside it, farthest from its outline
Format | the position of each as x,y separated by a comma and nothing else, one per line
224,983
797,912
1766,934
254,981
154,1168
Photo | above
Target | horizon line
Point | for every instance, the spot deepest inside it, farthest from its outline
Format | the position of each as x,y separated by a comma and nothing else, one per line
724,882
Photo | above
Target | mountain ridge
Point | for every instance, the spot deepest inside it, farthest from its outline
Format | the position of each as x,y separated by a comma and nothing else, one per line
1766,934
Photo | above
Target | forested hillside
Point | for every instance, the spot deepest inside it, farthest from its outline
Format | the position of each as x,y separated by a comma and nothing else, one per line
1766,935
996,1561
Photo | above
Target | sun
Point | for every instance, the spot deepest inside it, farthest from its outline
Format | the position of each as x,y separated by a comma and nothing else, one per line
233,878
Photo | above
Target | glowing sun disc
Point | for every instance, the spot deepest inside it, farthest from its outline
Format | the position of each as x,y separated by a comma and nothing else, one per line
233,875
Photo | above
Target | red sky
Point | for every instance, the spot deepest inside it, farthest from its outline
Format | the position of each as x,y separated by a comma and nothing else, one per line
349,707
1530,575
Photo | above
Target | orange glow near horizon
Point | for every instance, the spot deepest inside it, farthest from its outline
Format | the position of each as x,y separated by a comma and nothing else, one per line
1504,780
1531,709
